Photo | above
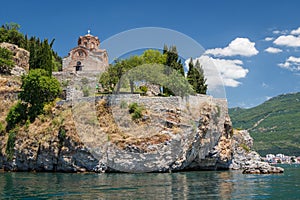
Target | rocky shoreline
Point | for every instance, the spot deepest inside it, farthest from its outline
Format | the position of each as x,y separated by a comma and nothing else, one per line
247,160
207,144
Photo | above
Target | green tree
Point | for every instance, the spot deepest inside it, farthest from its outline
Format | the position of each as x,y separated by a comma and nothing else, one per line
33,46
172,59
152,66
37,90
131,63
41,53
6,61
165,49
153,56
195,77
154,74
56,62
107,81
172,62
17,114
9,32
45,57
111,79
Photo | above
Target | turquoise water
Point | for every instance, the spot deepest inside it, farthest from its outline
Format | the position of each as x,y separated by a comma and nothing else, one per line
184,185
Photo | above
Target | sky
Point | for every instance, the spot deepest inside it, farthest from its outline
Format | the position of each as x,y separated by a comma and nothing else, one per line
254,44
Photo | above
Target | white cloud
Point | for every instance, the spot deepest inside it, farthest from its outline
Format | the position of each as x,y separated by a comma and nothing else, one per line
280,32
269,38
284,65
273,50
221,72
237,47
292,64
293,59
296,31
288,40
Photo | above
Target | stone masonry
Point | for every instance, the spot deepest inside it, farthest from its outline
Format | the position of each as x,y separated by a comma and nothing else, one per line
87,56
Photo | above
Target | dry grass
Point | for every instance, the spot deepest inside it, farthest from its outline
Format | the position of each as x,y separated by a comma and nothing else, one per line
121,132
122,139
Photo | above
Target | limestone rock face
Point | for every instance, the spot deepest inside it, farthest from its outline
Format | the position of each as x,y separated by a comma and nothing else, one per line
245,159
174,134
20,57
59,154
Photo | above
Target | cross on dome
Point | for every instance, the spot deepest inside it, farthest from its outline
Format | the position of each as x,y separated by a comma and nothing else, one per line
89,31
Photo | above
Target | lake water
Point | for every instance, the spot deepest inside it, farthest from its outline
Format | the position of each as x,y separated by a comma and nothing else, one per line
183,185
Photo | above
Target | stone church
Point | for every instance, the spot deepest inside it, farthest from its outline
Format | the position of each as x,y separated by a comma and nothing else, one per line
87,56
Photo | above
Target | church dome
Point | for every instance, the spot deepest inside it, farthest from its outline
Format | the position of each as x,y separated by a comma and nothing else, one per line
89,41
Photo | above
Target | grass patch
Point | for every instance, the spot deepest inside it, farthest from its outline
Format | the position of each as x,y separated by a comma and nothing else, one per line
136,111
245,147
10,145
123,104
86,91
2,129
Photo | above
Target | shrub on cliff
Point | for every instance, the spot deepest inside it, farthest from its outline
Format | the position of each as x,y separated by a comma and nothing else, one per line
38,89
10,144
136,111
6,61
1,129
17,114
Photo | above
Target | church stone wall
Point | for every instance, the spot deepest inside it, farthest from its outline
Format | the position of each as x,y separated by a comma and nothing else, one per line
87,56
91,62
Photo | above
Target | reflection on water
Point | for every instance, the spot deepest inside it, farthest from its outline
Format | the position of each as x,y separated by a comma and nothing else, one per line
185,185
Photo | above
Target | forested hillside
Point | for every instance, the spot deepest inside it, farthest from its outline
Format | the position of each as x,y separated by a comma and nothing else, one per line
274,125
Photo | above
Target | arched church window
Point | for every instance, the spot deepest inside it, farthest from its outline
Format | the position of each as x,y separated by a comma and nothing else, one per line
78,66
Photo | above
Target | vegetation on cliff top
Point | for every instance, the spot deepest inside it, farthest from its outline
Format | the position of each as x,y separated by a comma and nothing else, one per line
274,125
39,89
42,55
171,76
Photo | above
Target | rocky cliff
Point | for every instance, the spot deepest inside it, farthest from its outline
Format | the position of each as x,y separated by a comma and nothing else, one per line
20,58
101,134
246,159
173,134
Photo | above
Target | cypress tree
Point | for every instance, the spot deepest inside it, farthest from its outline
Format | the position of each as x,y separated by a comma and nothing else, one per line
46,57
201,86
33,53
173,61
196,77
165,50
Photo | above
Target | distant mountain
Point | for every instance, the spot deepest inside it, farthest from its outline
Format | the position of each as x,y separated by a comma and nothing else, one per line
274,125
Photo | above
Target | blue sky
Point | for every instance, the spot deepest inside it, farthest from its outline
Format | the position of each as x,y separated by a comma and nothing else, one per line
235,34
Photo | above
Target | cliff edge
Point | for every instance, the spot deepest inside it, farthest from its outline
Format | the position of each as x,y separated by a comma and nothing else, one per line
173,134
